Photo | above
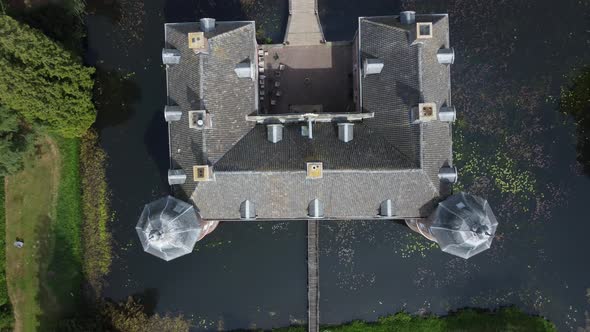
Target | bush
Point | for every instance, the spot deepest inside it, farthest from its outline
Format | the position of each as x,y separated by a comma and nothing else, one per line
96,210
466,320
43,82
575,101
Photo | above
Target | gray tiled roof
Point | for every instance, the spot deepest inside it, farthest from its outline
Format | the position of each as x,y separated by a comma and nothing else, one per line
389,158
344,194
369,149
411,75
208,81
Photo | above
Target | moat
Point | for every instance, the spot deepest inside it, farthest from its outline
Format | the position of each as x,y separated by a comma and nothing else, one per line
247,275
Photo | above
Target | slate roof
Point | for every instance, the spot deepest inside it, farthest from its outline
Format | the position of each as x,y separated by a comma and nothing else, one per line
389,158
208,82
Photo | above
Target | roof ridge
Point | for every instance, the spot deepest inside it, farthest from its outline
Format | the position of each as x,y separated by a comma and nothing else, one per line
384,25
246,24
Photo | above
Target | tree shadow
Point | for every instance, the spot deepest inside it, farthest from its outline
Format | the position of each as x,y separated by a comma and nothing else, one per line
59,275
106,8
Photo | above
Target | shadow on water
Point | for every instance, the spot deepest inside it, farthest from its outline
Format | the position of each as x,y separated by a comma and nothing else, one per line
339,18
157,144
114,95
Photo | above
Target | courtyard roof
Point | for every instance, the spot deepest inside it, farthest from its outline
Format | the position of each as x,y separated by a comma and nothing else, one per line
390,157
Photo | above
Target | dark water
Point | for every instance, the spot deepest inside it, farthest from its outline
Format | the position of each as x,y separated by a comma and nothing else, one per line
512,58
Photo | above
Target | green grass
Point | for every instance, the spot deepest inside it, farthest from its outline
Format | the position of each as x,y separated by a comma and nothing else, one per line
66,262
43,208
505,319
6,316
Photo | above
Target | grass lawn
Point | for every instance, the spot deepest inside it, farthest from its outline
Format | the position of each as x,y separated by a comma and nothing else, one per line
42,207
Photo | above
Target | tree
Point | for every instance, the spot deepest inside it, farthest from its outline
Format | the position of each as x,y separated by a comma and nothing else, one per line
15,139
43,82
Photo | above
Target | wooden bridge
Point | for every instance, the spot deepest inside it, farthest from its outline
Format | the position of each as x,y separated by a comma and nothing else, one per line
304,29
303,26
313,277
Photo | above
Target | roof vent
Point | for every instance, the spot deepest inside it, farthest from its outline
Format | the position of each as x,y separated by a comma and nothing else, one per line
198,42
447,114
247,210
172,113
170,56
448,174
202,173
424,112
446,56
207,24
199,120
176,176
424,30
407,17
245,69
386,209
274,132
372,66
345,132
315,170
315,209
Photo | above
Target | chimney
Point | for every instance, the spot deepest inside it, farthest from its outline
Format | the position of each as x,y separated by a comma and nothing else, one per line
345,132
372,66
315,209
198,42
170,56
446,56
172,113
407,17
274,132
247,210
447,114
176,176
207,24
448,174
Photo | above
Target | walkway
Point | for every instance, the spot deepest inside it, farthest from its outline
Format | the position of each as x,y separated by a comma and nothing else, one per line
303,27
313,277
